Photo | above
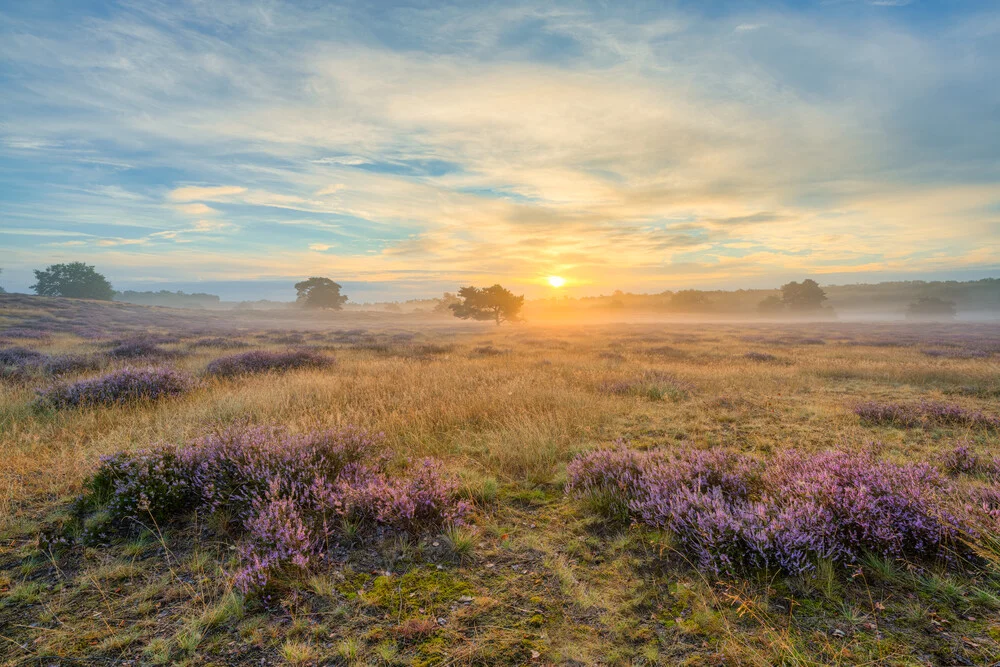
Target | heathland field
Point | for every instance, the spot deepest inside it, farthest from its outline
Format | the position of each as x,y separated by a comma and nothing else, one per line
235,488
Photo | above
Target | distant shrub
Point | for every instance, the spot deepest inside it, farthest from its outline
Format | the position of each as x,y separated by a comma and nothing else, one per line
26,334
20,356
763,357
221,343
957,354
654,385
64,364
960,460
263,361
290,494
925,413
730,512
126,385
138,349
489,351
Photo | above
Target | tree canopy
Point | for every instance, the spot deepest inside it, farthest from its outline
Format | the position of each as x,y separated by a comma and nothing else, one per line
806,295
931,307
320,293
488,303
75,280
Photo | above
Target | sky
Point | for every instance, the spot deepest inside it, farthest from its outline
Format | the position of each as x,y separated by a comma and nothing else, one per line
407,149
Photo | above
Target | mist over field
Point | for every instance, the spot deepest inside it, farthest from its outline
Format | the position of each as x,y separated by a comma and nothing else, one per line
499,333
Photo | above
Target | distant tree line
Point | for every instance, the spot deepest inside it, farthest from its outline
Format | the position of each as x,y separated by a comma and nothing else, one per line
916,299
170,299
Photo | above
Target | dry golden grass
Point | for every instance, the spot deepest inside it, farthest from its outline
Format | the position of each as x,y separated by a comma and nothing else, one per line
512,404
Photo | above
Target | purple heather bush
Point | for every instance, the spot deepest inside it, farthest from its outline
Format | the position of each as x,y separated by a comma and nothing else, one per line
961,460
65,364
925,413
264,361
126,385
138,349
729,512
289,494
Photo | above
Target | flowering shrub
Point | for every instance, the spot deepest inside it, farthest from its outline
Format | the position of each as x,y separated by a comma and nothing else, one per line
729,511
137,349
290,494
262,361
122,386
962,460
20,356
219,342
925,413
64,364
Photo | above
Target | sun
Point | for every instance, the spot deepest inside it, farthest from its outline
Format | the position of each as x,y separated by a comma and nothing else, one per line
556,281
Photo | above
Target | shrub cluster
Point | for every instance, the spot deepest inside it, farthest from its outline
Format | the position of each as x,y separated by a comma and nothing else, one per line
263,361
652,384
730,512
925,413
122,386
290,494
760,356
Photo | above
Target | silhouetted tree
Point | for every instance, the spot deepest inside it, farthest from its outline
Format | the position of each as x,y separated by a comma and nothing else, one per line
445,303
488,303
689,299
75,280
320,293
806,295
770,305
931,307
2,290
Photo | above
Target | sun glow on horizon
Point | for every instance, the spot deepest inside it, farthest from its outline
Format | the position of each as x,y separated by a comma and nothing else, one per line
556,281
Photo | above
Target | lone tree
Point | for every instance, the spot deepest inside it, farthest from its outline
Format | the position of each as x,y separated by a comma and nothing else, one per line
320,293
806,295
2,291
771,305
931,308
488,303
75,280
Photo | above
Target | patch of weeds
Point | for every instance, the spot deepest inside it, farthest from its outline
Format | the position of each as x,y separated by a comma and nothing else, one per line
461,542
157,651
418,589
349,649
229,608
298,653
25,592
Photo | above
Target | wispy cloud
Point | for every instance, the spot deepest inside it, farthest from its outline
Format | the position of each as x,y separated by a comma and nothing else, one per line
502,144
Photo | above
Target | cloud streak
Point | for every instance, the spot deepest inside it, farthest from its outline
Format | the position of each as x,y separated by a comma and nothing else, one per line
457,144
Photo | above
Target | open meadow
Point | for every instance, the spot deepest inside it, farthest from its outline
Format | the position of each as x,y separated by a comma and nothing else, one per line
381,490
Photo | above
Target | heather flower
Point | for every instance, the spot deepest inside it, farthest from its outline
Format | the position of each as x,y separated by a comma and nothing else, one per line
288,493
728,511
262,361
925,413
126,385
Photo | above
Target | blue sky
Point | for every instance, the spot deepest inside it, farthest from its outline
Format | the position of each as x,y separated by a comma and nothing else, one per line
407,149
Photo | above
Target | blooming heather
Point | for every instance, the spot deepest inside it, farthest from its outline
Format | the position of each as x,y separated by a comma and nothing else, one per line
263,361
925,413
126,385
290,494
728,511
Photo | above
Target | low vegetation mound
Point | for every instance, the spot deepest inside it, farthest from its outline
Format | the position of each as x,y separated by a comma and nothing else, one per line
924,414
126,385
729,512
264,361
290,495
